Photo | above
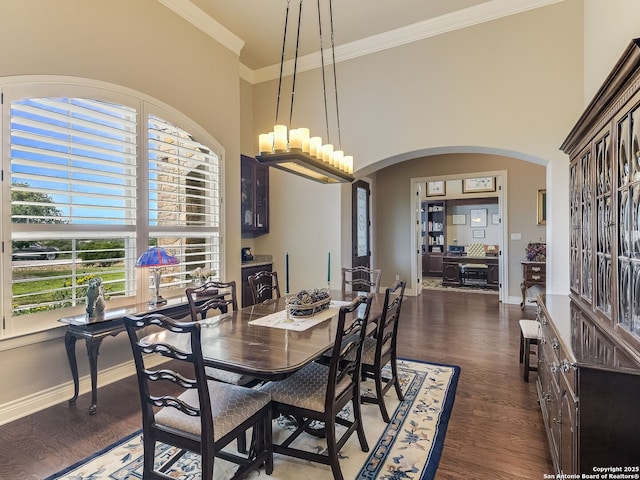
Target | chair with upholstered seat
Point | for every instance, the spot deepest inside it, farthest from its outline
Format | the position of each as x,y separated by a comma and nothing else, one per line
219,296
529,335
381,350
361,279
318,392
204,416
216,296
264,286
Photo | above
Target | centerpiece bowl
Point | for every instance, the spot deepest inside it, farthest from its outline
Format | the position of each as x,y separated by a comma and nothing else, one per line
307,303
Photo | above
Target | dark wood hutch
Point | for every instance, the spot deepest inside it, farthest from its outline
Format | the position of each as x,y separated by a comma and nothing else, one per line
589,354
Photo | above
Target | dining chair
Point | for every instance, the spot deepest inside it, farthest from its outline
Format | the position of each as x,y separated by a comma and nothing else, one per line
184,409
319,392
264,286
220,296
361,279
216,296
211,295
381,349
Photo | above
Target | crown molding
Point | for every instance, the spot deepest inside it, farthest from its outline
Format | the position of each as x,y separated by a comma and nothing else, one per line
204,22
484,12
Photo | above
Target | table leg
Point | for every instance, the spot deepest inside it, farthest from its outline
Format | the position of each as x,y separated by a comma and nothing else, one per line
93,347
70,344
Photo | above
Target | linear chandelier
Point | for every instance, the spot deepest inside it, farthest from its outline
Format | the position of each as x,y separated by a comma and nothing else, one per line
294,149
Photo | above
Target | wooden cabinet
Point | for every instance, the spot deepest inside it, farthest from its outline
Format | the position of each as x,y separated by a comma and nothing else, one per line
533,273
434,222
587,389
254,202
589,371
246,272
604,176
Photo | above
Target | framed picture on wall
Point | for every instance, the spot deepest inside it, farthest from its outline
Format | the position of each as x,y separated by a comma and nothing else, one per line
478,217
542,207
478,234
459,219
436,188
479,184
495,218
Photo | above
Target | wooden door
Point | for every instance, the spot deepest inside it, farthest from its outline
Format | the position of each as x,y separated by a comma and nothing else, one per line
361,223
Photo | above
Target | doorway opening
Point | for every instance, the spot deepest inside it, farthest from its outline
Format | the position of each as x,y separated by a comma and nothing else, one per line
453,214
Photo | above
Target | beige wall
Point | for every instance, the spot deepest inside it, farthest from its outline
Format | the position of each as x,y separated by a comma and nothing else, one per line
508,87
513,86
139,45
394,207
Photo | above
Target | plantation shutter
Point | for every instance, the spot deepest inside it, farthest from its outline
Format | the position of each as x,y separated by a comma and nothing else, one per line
75,157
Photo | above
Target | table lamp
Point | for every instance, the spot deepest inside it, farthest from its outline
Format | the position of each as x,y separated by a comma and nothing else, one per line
156,258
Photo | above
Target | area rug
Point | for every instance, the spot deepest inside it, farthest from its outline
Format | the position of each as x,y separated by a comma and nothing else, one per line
409,447
436,284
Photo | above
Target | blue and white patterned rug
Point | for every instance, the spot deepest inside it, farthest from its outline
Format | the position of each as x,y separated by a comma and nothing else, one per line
409,447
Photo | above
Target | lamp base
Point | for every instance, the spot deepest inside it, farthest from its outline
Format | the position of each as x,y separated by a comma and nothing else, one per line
157,300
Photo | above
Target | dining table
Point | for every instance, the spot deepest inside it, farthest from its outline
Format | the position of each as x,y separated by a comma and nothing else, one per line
264,341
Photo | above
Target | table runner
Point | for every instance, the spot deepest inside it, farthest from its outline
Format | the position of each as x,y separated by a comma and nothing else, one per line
280,320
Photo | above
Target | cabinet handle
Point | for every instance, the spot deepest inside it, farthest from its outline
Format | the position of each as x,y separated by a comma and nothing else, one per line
535,277
566,366
535,269
553,367
556,421
555,344
543,341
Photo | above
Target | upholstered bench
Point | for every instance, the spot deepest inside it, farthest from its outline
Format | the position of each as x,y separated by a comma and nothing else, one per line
529,335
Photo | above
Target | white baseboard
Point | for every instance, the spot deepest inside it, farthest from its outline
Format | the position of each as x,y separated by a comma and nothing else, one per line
62,393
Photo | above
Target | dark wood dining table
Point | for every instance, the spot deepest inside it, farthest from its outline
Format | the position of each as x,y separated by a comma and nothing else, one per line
230,342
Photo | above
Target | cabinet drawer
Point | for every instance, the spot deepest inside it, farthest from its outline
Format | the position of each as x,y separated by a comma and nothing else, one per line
531,277
535,269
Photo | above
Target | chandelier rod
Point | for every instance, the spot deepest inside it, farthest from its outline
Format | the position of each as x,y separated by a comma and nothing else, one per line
284,39
324,85
335,81
295,66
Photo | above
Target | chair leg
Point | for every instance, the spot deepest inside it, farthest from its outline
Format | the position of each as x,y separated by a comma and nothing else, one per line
521,347
357,416
149,458
242,443
332,451
396,378
527,348
380,397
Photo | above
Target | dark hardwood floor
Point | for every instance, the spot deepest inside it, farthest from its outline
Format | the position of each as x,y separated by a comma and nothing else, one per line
495,431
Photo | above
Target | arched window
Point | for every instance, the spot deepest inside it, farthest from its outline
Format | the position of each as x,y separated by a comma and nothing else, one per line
96,177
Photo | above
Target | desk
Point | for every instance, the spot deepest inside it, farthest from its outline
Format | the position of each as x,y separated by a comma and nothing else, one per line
94,330
230,343
451,269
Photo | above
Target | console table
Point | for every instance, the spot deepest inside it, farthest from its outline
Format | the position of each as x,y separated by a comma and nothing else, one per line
110,323
533,273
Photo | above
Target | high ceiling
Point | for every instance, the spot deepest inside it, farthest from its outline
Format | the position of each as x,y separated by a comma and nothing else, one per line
260,23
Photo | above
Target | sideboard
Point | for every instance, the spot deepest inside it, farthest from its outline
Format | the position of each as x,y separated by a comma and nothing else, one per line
588,389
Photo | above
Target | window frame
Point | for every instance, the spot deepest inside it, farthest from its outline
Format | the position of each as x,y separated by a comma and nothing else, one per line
21,87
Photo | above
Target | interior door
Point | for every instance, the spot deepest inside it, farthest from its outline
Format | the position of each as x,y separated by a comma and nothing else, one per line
419,226
361,223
